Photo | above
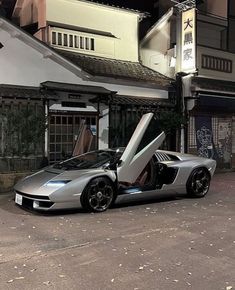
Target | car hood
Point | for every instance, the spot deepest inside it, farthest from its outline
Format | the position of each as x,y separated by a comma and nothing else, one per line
36,184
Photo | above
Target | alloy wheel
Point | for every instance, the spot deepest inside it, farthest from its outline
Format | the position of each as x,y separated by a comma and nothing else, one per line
200,182
100,195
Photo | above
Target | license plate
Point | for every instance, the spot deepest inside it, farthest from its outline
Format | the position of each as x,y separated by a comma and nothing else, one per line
18,199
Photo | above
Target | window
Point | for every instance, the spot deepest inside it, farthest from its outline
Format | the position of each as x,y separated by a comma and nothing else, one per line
72,41
53,37
59,39
217,63
81,42
92,44
76,41
65,40
87,43
63,131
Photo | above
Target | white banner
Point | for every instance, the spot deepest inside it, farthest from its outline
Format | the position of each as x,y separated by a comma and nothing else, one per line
188,46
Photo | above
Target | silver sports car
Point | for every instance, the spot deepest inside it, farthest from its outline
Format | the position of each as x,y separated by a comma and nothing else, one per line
97,179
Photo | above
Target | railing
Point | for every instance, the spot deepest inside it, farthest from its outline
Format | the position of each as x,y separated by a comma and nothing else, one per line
215,63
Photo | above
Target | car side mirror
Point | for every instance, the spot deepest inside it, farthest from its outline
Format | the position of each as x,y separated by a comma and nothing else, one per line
114,164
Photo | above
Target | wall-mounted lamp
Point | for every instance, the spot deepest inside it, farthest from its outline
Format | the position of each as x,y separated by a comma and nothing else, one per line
1,45
172,62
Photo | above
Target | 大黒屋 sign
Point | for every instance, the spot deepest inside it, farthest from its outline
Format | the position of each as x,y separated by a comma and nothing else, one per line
188,56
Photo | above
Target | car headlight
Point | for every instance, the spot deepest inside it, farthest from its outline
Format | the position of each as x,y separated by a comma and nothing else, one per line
57,183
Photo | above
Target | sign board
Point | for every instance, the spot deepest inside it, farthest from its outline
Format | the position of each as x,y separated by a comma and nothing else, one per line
188,42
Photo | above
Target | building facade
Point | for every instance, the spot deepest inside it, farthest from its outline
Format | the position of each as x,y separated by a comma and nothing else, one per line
81,78
198,50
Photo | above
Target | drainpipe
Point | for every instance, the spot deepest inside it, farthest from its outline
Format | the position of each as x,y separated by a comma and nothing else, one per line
46,130
180,109
183,88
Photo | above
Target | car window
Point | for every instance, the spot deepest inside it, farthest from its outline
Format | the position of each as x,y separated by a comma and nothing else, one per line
94,159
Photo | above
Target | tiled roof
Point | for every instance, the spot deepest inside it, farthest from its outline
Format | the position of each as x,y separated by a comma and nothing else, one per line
118,69
67,87
213,84
140,101
24,92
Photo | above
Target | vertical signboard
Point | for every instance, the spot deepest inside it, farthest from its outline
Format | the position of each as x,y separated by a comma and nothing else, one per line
188,55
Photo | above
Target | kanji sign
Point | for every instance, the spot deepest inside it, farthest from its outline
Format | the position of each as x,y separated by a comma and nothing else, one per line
188,56
188,23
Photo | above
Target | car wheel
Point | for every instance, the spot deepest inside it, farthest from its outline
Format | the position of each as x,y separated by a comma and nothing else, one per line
198,183
98,195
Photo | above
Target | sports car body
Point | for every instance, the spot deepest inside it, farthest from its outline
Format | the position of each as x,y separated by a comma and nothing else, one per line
97,179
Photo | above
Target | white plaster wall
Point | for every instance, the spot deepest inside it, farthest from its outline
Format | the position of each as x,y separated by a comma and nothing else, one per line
22,65
121,23
154,52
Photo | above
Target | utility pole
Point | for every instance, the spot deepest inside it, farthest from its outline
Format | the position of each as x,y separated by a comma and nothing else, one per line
186,52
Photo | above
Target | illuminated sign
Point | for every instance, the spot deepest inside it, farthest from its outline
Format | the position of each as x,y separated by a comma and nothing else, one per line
188,55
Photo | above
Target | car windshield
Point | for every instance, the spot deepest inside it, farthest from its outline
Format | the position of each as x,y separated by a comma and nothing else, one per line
94,159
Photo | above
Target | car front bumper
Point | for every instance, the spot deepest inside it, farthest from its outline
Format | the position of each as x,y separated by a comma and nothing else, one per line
43,203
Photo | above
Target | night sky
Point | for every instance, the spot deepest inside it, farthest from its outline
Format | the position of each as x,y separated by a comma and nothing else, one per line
141,5
145,6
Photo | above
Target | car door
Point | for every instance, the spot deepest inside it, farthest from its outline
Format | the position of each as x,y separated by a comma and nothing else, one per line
134,158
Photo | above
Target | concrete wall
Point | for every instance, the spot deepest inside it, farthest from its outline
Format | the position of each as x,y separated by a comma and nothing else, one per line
212,31
32,11
212,73
209,35
217,7
8,180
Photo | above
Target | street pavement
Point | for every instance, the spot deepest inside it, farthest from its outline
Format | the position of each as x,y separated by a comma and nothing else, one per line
171,243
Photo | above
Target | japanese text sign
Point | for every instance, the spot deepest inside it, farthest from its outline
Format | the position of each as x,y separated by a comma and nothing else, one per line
188,55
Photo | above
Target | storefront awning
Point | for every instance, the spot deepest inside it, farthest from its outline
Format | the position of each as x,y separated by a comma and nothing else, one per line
25,92
140,101
134,101
75,88
218,103
219,87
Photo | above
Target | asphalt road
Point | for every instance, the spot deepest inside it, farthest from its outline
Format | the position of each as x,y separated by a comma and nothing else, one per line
170,243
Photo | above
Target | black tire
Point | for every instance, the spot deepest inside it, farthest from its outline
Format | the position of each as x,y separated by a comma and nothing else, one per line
98,195
198,183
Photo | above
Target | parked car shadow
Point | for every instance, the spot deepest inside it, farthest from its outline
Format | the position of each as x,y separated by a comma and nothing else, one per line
7,204
160,198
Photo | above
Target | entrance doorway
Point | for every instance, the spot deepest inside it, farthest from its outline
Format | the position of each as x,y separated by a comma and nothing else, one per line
211,137
64,129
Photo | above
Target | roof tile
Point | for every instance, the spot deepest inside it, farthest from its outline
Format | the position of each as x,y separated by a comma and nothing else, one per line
99,66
